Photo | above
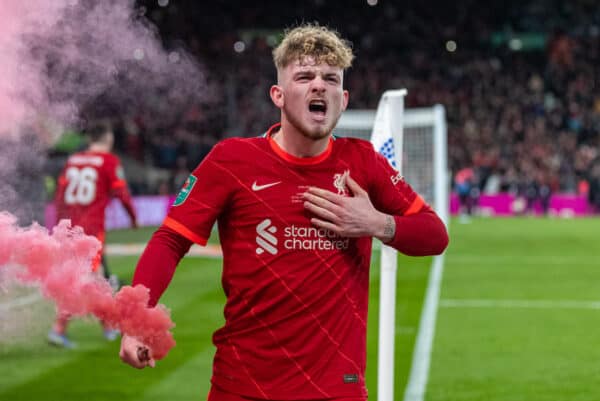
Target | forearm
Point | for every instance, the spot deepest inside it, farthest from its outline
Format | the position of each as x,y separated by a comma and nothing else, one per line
131,212
384,227
156,266
419,234
123,195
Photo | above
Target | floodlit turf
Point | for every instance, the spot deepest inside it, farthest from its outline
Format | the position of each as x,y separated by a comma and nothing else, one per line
94,371
522,325
487,346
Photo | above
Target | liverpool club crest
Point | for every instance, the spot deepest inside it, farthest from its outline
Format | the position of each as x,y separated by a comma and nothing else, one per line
339,182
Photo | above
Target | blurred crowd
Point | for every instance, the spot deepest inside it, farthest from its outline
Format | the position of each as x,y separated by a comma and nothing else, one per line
518,80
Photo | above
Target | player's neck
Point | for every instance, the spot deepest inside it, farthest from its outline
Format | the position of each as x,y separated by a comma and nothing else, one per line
99,147
298,145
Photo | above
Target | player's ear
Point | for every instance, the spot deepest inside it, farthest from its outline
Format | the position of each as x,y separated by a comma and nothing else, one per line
346,96
276,93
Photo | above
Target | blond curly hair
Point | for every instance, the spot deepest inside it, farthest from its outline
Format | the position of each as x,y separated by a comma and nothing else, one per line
315,41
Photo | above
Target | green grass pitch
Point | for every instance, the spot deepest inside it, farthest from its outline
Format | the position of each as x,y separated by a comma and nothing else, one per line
516,321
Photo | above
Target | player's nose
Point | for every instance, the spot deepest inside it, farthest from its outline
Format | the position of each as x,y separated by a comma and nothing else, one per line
317,84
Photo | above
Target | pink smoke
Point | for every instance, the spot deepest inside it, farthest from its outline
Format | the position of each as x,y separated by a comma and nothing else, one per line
21,82
59,56
12,109
60,264
65,61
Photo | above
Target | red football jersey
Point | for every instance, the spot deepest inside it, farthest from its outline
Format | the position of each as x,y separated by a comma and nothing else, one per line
296,311
85,186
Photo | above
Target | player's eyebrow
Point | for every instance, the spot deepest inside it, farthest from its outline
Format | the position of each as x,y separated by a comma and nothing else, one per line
304,72
331,75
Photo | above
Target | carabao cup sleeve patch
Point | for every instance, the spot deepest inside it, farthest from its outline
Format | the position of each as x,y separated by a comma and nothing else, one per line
185,190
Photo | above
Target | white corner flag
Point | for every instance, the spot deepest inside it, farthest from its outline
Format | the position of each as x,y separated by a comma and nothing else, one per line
387,129
387,140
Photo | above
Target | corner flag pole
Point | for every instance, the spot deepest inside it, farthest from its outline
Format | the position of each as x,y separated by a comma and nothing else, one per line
387,140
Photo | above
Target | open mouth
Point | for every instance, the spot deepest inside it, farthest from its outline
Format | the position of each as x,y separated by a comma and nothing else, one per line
317,106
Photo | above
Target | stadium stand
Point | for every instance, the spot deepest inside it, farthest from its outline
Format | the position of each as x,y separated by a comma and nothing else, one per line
517,78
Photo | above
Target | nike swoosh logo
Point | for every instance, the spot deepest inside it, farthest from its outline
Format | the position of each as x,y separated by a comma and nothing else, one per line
256,187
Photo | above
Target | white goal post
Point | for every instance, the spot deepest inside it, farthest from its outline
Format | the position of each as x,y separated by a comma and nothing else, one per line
420,144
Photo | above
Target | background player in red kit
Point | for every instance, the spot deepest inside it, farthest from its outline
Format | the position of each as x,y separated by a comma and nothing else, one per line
85,186
296,212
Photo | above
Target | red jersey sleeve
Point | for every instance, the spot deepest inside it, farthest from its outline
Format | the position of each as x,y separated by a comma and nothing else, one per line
419,230
156,266
202,198
118,186
389,192
61,185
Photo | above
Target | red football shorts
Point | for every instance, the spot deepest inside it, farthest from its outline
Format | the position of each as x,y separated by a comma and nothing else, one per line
216,394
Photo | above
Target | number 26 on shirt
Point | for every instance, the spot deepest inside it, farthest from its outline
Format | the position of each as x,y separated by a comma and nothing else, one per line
81,187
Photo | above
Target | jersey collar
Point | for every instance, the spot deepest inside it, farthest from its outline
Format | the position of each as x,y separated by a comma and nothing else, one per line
294,159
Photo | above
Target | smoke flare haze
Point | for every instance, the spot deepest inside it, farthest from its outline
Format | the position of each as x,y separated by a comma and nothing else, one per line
64,61
60,55
60,265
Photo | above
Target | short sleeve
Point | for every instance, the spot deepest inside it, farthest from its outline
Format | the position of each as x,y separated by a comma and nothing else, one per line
202,198
116,174
389,192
